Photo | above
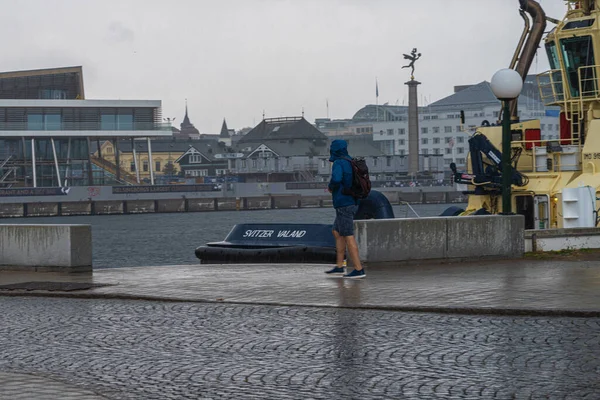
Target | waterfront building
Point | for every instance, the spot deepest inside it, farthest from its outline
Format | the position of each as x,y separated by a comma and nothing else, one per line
47,128
440,128
291,149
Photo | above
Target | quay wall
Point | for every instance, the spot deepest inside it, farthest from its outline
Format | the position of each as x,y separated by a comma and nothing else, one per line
562,239
486,236
64,248
107,200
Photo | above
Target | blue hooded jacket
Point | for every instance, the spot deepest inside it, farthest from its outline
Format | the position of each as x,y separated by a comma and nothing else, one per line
341,174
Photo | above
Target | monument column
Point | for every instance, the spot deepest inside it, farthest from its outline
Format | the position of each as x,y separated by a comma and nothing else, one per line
413,127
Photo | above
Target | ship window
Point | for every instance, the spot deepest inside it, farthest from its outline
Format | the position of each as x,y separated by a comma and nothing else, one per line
585,23
577,53
552,55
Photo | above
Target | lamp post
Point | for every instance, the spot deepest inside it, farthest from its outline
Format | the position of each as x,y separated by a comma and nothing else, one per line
506,85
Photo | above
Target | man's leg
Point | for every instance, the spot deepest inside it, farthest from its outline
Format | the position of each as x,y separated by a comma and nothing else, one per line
340,247
350,242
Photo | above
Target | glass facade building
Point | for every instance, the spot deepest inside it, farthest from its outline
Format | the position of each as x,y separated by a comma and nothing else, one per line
48,131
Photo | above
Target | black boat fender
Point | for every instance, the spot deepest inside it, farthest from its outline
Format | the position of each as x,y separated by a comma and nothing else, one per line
375,206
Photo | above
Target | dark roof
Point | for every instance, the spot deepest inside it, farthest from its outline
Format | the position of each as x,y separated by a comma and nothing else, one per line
282,129
479,95
224,130
208,147
371,112
298,147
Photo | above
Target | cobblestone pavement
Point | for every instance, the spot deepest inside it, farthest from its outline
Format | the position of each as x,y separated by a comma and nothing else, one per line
26,387
125,349
504,286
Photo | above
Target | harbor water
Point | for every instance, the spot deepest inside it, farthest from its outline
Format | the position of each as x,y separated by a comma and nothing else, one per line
170,239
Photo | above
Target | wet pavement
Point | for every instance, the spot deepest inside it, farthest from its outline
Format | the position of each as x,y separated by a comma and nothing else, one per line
125,349
534,287
494,329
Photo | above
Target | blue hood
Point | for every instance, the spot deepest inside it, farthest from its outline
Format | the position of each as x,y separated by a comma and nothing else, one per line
338,149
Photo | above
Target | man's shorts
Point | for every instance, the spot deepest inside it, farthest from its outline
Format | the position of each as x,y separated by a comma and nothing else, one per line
344,220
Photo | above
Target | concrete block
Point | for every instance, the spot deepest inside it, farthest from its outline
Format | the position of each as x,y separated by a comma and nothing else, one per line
259,203
562,239
486,236
76,208
286,201
11,210
394,240
46,247
309,201
141,206
42,209
227,204
410,197
201,205
108,207
387,240
169,206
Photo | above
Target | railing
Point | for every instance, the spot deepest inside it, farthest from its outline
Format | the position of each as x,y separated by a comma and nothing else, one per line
82,126
565,157
551,87
112,169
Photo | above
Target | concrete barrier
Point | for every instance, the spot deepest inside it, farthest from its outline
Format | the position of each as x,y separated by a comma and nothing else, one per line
485,236
286,201
227,204
170,206
41,209
11,210
73,208
201,205
49,248
141,206
107,207
258,203
562,239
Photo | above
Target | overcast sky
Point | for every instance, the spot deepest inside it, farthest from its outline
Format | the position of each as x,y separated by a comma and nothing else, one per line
235,58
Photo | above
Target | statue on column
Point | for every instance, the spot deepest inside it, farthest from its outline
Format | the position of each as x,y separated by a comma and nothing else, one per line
412,57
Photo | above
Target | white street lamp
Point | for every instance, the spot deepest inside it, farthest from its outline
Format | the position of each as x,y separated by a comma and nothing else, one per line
506,85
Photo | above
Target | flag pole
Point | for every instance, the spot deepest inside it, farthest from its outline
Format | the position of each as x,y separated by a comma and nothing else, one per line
377,98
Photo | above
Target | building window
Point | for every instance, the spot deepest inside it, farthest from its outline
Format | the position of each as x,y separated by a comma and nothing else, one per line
402,152
543,127
448,151
112,122
287,161
254,163
401,142
458,128
436,151
390,132
448,139
424,141
447,161
460,139
195,159
132,167
388,161
157,166
436,129
145,166
424,130
461,161
496,114
556,127
35,122
197,172
109,150
448,129
323,163
221,172
374,161
436,140
424,152
460,150
401,131
243,163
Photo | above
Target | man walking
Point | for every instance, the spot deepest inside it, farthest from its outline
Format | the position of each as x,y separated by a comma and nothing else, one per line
345,207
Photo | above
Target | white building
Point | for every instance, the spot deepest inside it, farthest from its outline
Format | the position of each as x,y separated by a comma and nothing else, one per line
440,130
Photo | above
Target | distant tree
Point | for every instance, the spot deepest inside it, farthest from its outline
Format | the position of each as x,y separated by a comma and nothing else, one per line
169,169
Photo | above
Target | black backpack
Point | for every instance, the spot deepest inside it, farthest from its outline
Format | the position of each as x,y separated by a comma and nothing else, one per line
361,184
